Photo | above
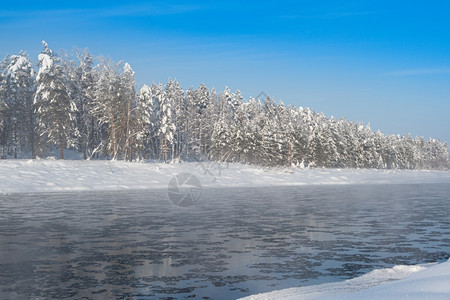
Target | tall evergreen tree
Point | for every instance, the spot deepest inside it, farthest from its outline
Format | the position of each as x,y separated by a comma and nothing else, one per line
167,125
54,107
19,86
128,92
3,108
201,102
143,120
113,103
82,77
175,96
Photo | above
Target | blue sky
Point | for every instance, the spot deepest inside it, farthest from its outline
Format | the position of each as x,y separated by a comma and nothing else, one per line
383,62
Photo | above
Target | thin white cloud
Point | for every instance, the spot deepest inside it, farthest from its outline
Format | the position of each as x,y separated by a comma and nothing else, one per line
151,10
34,13
424,71
320,58
345,14
158,9
331,15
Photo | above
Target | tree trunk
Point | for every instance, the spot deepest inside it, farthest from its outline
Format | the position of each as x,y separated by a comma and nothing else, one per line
113,136
84,151
61,152
33,151
15,140
165,149
200,143
91,137
131,149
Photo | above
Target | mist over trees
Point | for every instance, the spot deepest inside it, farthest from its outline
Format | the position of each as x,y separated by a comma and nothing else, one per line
73,101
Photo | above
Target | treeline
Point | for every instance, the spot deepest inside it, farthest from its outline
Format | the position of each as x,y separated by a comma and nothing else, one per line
73,101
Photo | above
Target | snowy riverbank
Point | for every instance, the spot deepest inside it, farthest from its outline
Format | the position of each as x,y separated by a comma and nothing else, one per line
431,281
78,175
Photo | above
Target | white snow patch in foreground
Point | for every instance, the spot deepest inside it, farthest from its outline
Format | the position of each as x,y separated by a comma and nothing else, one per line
18,176
400,282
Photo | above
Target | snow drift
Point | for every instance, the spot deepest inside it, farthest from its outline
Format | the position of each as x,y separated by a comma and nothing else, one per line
55,175
430,281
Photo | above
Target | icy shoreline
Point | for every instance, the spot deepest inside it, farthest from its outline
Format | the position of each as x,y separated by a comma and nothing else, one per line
19,176
430,281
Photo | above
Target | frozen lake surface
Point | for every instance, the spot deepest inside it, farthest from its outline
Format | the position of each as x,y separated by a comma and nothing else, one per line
232,243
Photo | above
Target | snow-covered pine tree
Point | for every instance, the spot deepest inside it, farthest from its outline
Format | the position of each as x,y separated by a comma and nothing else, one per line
226,108
105,105
114,100
143,120
221,140
287,116
202,101
437,154
420,146
236,101
167,126
4,124
212,115
271,129
296,138
128,92
82,77
19,88
305,135
190,129
175,96
157,92
54,107
3,109
247,132
237,135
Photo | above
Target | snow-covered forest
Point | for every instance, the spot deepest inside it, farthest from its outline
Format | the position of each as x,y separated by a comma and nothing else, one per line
91,105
